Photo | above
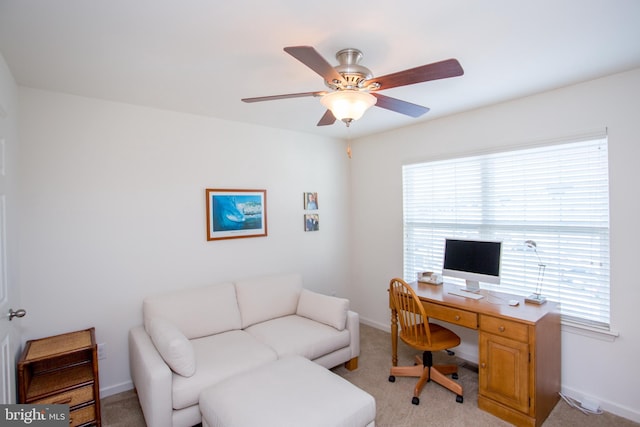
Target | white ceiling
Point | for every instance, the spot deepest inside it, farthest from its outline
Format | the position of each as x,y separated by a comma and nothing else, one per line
203,56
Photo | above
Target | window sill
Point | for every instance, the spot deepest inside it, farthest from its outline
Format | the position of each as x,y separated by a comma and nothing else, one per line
587,331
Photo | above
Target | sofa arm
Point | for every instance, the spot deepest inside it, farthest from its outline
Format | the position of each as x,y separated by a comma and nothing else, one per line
353,325
152,379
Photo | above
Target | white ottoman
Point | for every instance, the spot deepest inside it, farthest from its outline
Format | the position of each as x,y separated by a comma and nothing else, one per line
289,392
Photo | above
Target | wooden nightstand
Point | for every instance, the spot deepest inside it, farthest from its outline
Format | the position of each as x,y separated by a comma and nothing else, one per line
62,369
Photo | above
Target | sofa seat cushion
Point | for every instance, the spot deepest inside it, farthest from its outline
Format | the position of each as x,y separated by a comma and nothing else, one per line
218,357
297,335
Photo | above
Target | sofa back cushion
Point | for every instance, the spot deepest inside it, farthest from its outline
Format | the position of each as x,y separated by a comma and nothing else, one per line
196,312
269,297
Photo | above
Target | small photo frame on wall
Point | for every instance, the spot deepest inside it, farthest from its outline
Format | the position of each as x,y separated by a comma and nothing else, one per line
311,222
233,214
311,201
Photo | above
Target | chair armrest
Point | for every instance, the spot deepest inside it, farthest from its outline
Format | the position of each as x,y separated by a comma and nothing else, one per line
152,379
353,325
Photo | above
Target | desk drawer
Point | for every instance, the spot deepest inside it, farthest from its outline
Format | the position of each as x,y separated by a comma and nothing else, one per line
505,328
451,315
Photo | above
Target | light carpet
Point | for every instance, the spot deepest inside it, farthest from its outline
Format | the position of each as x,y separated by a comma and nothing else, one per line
438,406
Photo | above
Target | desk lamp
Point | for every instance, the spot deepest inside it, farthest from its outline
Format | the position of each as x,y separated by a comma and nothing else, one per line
536,298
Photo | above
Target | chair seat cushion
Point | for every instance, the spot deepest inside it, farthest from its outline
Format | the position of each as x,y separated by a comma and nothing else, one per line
290,392
298,335
219,357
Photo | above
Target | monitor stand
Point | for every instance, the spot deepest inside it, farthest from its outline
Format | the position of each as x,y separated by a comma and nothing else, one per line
472,286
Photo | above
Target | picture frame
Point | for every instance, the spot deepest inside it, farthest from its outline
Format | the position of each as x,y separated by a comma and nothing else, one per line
234,214
311,222
310,201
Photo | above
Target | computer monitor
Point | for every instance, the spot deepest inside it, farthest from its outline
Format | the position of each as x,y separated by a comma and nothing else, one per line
472,260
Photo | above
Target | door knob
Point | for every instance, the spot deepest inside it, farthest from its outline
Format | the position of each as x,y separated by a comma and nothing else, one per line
18,313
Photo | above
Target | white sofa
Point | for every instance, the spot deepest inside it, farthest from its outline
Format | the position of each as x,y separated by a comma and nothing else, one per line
194,338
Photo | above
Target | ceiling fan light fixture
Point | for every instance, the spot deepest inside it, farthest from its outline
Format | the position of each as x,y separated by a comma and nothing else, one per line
347,105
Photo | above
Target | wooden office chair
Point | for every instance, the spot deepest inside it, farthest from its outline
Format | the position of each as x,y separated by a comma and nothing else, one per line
417,332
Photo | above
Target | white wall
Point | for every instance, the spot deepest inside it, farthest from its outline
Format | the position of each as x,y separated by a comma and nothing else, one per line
113,208
606,371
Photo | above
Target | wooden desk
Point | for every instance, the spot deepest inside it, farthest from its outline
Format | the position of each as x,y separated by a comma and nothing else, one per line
518,349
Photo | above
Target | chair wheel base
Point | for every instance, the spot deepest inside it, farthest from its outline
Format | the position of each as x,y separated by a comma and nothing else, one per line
415,401
459,399
454,376
392,379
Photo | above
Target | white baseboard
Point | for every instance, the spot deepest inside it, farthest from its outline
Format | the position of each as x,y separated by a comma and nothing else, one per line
115,389
622,411
382,326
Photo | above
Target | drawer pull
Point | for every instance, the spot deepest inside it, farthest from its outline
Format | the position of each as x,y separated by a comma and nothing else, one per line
482,365
501,328
63,401
457,317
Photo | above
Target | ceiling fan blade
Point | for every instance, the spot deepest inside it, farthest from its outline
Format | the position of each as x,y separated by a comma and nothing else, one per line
312,59
327,119
399,106
290,95
437,70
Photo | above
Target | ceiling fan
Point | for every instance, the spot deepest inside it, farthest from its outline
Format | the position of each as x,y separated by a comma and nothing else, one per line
354,88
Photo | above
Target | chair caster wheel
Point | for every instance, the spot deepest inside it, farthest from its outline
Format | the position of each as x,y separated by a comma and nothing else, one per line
454,376
392,379
450,353
459,399
415,401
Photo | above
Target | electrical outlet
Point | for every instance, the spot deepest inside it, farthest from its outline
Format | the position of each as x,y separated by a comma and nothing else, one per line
102,351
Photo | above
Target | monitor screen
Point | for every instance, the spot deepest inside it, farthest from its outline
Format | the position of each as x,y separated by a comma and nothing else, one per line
473,260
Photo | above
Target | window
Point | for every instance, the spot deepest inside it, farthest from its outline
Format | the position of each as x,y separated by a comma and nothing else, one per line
556,195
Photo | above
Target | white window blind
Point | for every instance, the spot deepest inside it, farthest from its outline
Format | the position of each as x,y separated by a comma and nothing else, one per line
556,195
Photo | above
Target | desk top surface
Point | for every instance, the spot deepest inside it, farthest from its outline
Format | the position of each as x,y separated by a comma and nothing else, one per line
494,303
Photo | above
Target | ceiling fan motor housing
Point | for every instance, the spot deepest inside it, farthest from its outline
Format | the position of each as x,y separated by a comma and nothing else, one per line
349,68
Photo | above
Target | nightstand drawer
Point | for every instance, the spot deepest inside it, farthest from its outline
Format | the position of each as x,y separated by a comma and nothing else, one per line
82,415
72,398
505,328
451,315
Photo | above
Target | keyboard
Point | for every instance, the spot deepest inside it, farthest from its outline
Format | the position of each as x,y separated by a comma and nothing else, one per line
466,294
